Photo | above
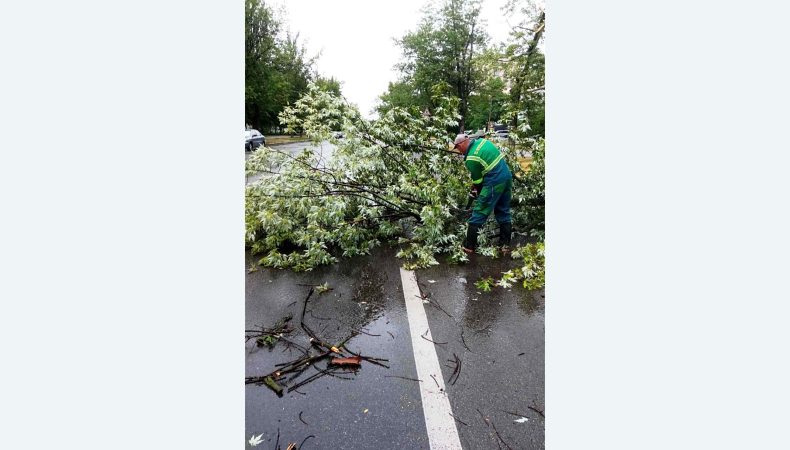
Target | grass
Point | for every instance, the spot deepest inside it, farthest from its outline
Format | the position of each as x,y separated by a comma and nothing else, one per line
284,139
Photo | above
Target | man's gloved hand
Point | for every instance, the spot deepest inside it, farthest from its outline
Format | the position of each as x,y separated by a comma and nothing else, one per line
475,191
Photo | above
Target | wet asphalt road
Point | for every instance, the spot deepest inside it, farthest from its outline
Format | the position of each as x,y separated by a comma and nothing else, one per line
324,149
498,336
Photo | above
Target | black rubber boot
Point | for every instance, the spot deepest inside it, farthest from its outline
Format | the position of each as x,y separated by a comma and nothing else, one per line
505,232
471,238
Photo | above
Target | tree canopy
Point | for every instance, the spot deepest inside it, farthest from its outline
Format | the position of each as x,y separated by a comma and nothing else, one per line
277,67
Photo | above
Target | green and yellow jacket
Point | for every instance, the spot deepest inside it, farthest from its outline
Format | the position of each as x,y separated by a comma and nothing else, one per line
486,163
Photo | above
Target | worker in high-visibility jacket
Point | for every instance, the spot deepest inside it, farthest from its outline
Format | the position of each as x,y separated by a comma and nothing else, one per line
492,185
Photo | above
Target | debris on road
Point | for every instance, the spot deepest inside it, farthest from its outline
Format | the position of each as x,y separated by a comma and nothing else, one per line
456,369
500,437
321,288
255,440
537,411
351,361
426,334
459,420
403,378
521,420
269,336
340,362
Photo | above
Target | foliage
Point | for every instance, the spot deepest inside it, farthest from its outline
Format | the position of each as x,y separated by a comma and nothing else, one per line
530,199
524,66
321,288
439,52
532,272
256,440
267,340
330,85
277,67
484,284
390,180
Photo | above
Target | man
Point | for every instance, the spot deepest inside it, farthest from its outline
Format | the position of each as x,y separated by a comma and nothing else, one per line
492,185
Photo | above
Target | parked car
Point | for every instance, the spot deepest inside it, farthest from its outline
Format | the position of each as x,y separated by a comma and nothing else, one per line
253,139
500,134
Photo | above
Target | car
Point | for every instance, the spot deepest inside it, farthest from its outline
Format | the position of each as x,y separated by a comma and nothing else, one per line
500,134
338,135
253,139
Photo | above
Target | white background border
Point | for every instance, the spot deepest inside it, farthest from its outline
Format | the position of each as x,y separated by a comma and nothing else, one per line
122,203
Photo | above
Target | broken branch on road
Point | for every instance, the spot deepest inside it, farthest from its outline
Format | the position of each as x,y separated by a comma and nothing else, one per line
456,371
338,365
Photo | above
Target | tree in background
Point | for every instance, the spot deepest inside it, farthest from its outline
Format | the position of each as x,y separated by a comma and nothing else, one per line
330,85
524,66
438,58
277,67
260,29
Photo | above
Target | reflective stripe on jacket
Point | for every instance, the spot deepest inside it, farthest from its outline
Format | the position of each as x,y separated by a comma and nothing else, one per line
485,161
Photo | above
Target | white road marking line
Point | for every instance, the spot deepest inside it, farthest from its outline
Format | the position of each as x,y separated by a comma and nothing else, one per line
442,432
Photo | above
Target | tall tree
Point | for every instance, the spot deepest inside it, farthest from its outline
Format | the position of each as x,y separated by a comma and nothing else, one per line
441,52
260,28
524,65
277,67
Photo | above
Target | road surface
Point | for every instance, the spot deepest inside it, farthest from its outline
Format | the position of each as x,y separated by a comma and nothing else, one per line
497,336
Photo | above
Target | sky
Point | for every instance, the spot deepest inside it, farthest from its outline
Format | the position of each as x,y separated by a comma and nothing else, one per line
355,38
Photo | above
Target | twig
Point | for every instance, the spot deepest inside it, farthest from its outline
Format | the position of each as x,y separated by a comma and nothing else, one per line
405,378
439,343
512,413
464,342
500,437
456,418
393,336
434,380
537,411
304,440
426,333
300,418
436,304
308,380
369,334
456,371
277,444
370,359
319,318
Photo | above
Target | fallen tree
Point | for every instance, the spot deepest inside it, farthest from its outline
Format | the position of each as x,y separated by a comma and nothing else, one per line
390,180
